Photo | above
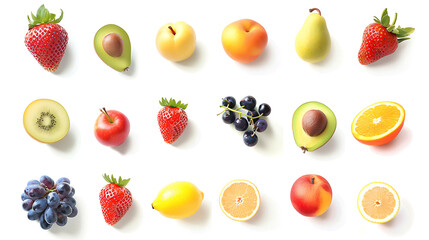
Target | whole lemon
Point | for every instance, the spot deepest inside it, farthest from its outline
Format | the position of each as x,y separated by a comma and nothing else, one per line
178,200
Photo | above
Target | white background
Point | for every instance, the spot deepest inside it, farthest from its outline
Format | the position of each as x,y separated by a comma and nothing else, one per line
210,153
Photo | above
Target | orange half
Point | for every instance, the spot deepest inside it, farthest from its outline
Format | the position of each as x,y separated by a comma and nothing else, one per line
378,202
378,123
240,200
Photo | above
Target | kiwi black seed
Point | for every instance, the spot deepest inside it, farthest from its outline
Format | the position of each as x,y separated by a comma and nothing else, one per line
46,121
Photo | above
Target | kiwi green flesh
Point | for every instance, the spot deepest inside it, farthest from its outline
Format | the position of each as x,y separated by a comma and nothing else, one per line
119,63
302,139
46,121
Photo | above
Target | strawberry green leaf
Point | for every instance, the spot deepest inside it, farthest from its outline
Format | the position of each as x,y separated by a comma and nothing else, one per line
172,103
112,179
385,13
402,39
60,18
385,20
401,33
43,16
376,20
41,10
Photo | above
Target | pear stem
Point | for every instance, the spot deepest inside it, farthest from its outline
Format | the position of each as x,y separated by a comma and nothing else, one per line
316,9
172,30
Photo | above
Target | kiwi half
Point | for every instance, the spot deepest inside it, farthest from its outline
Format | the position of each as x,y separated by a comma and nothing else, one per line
46,121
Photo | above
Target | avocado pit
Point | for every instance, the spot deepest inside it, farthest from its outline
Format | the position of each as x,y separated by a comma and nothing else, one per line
113,45
314,122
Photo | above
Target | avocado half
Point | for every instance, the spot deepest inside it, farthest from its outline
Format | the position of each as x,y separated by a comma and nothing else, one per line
119,63
302,139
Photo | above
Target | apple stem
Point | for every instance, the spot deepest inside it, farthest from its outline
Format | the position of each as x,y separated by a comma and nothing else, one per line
312,180
316,9
172,30
107,115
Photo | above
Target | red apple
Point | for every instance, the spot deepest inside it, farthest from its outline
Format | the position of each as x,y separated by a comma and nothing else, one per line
311,195
111,128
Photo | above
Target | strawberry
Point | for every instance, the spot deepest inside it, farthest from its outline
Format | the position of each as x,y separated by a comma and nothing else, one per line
115,199
381,39
172,119
45,39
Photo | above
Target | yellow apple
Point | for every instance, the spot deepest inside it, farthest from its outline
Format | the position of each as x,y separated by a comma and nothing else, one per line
244,40
176,41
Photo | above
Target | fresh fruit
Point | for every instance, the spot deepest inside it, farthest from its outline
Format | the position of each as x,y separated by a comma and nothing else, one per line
313,42
48,202
264,109
229,102
46,121
244,40
176,41
378,123
115,199
378,202
111,128
311,195
242,122
46,39
261,125
228,117
172,119
248,102
240,200
381,39
250,138
313,124
113,46
178,200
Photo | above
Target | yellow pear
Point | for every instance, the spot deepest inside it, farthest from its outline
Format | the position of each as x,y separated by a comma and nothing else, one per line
313,43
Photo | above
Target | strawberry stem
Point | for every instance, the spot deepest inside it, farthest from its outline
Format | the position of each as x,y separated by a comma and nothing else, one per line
107,115
316,9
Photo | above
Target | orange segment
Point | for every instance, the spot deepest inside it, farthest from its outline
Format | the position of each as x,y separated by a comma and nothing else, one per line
240,200
378,202
378,123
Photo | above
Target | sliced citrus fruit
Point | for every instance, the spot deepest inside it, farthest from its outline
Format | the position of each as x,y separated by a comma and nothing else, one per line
378,123
378,202
240,200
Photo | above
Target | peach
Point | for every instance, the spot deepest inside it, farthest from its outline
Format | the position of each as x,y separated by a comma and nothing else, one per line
311,195
244,40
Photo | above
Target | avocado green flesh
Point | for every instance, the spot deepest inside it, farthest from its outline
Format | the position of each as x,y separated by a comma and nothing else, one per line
117,63
302,139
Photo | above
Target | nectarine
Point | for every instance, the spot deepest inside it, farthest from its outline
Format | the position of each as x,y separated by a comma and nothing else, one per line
311,195
244,40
